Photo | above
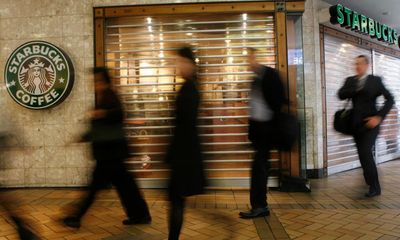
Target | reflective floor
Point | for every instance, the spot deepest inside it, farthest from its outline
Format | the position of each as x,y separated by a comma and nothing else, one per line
334,210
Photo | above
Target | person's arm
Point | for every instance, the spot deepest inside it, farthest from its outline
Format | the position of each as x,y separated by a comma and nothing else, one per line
348,90
389,100
372,122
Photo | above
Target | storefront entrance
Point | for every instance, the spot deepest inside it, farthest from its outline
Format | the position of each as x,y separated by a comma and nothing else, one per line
138,45
340,50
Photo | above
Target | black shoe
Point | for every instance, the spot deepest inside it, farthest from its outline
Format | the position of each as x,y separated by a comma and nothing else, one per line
373,193
254,213
134,221
73,222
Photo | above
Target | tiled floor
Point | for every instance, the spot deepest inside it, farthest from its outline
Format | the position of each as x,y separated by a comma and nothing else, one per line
211,216
335,209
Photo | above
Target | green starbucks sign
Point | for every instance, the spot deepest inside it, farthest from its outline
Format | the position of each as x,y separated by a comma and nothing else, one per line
39,75
362,24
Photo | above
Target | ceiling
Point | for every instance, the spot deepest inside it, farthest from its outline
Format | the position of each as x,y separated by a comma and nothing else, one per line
375,9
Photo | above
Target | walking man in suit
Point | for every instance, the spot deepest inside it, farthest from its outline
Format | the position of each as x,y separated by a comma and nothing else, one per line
266,99
363,90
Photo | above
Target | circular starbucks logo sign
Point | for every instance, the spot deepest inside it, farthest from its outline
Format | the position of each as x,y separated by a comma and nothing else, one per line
39,75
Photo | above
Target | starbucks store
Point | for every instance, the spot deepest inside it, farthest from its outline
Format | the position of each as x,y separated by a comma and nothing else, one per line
137,43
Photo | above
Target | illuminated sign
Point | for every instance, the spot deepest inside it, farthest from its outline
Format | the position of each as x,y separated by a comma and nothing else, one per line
362,24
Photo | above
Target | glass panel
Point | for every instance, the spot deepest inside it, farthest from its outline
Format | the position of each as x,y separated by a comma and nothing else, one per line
339,62
387,146
296,74
140,52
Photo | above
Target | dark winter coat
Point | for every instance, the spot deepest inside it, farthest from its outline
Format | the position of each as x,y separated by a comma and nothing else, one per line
184,153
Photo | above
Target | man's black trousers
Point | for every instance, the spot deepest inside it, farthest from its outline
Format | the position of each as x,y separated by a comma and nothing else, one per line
260,135
365,142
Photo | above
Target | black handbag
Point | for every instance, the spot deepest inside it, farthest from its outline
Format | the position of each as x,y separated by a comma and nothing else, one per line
287,130
343,121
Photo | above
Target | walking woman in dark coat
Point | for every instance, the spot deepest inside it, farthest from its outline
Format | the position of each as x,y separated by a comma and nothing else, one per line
110,149
184,154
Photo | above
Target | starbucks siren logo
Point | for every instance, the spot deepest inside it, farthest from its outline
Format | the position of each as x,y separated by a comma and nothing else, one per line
39,75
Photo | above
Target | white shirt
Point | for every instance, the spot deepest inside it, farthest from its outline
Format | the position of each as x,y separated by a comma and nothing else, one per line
259,108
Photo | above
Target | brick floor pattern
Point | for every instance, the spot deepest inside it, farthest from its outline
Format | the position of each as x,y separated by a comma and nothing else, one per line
335,209
204,218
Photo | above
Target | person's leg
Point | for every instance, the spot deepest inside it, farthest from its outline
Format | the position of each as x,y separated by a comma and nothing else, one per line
11,212
365,144
176,216
360,144
371,166
259,171
132,200
98,181
259,178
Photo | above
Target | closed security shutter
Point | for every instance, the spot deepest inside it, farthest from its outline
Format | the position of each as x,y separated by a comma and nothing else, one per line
140,51
339,64
387,146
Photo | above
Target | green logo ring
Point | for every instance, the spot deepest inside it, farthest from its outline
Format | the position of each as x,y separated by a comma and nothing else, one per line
39,75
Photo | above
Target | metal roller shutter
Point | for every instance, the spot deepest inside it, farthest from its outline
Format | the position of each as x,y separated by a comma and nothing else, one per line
387,144
339,64
140,51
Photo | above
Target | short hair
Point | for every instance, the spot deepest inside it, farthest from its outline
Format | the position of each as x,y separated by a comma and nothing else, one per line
366,59
105,75
187,52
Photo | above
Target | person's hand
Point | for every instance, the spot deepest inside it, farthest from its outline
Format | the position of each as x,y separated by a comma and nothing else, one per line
99,113
372,122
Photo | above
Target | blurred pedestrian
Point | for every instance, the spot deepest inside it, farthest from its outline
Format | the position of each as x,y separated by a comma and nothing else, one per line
363,90
6,201
184,153
266,99
110,149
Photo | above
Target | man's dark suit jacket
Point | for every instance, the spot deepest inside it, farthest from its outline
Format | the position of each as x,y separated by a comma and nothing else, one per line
273,89
274,94
364,100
